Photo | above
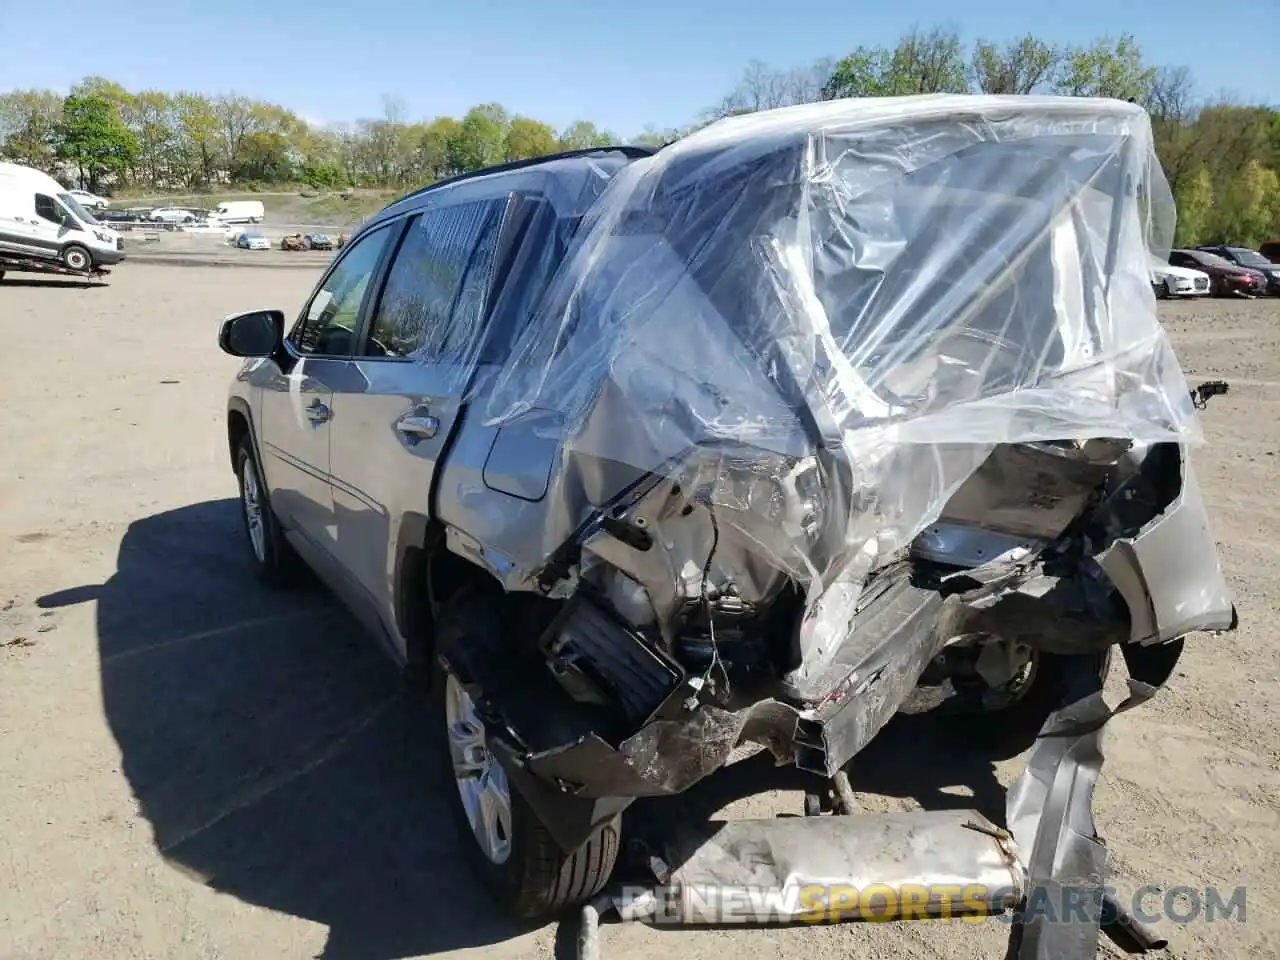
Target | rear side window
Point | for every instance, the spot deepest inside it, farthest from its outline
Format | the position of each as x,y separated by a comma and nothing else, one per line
433,304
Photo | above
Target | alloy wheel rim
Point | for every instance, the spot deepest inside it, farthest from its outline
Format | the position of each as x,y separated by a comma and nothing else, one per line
253,513
482,783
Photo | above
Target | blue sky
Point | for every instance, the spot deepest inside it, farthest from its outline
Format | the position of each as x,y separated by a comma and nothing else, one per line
621,64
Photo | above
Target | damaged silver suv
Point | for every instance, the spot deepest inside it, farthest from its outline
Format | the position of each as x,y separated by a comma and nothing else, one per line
813,417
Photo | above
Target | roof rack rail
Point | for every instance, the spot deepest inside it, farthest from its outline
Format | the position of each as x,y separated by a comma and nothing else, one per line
633,152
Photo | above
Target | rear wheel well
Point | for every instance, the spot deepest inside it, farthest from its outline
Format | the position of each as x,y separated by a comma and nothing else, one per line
237,430
430,575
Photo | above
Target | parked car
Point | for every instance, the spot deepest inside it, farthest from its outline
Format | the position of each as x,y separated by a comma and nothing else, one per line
639,455
1225,278
320,241
1170,281
252,241
1248,259
172,215
1271,250
118,216
90,201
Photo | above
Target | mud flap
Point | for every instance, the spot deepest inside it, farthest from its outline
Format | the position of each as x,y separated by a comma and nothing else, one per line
1050,812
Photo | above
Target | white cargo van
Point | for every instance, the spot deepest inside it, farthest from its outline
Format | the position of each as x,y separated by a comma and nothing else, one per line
40,220
238,211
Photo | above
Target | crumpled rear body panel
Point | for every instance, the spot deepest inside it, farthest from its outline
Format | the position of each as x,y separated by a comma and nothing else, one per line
799,371
905,283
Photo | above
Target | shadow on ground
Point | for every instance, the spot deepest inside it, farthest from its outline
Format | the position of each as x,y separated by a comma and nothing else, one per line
9,281
279,756
274,749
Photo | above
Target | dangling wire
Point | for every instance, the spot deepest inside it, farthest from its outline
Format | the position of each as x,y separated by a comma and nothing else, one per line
706,602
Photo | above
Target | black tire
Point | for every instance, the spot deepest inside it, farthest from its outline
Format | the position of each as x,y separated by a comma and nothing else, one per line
275,564
537,880
77,258
1013,729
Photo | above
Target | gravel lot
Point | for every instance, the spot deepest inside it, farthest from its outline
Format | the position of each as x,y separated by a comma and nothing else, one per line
195,768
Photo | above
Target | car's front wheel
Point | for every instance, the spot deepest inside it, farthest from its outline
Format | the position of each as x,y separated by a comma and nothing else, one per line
273,559
524,870
77,258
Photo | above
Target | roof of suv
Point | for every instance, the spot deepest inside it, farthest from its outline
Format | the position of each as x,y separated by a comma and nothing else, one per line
412,200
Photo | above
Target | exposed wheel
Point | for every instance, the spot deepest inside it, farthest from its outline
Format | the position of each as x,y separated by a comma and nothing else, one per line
521,866
77,258
1014,727
1169,293
274,560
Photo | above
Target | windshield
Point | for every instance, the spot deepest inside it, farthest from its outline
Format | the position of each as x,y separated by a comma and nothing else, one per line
81,214
1249,258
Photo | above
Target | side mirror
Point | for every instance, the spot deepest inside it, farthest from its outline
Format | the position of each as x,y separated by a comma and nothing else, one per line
258,333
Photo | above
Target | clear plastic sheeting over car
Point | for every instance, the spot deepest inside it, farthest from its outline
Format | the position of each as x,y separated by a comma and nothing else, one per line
818,322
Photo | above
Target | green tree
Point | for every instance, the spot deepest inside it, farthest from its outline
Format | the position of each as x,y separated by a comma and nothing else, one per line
922,62
527,137
1249,207
1107,68
197,136
432,158
656,138
1194,199
235,119
93,137
28,127
264,157
159,157
480,139
584,135
1020,67
322,174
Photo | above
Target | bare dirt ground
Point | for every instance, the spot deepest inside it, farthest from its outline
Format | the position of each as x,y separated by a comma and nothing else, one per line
191,767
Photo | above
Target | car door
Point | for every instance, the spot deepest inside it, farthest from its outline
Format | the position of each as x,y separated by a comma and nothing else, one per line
296,407
48,225
415,362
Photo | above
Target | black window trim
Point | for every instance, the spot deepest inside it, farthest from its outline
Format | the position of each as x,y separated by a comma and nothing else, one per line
375,283
372,304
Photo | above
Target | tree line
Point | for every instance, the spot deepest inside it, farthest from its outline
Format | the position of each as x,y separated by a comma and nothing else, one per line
1221,157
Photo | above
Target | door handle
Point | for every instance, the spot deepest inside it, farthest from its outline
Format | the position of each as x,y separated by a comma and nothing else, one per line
418,428
318,413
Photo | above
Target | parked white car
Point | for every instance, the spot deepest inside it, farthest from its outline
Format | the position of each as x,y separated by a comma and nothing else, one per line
253,241
1171,281
90,201
173,215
